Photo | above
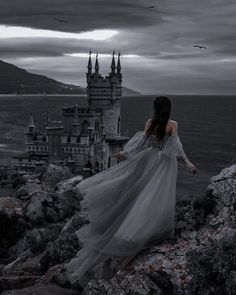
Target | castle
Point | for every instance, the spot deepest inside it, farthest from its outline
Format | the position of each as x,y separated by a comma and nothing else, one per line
88,135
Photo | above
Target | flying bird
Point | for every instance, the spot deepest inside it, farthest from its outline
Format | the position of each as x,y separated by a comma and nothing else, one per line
153,6
200,46
61,20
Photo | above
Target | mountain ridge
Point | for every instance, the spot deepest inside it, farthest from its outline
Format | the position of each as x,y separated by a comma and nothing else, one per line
15,80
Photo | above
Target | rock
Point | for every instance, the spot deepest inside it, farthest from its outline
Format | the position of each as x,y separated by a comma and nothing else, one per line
55,274
69,184
68,200
213,267
74,223
129,284
67,203
35,177
200,259
28,266
223,186
192,213
36,239
41,208
55,174
49,289
12,224
11,205
64,248
163,281
25,191
15,282
226,173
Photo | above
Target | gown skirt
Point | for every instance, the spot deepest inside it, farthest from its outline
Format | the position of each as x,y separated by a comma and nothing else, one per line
129,206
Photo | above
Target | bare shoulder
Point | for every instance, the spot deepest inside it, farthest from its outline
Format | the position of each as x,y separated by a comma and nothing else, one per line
148,123
173,125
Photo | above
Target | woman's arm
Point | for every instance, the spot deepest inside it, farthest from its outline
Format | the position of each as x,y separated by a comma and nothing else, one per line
191,167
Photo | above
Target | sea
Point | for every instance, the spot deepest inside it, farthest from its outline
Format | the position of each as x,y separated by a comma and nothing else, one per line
206,127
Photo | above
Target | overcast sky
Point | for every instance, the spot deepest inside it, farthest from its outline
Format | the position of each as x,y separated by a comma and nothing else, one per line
157,45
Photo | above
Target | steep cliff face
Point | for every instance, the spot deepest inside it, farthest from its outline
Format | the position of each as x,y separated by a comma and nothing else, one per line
199,260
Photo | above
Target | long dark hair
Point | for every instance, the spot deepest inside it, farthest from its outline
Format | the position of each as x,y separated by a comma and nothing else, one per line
160,117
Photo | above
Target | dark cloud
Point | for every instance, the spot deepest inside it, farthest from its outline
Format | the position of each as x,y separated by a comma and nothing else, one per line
163,38
82,15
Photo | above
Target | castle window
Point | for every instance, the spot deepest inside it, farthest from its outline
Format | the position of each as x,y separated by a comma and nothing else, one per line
68,138
96,125
118,125
85,126
35,137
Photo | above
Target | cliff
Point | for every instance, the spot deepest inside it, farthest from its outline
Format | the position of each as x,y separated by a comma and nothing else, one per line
39,222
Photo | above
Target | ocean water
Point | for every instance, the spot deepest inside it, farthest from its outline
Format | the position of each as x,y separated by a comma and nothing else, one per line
206,127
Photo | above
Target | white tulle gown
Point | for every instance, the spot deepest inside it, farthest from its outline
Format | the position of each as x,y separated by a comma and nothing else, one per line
130,206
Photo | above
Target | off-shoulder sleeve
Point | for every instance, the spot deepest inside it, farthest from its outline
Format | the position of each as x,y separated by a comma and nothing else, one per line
174,148
180,153
136,143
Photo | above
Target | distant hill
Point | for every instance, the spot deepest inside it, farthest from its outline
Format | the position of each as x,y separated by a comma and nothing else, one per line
14,80
128,91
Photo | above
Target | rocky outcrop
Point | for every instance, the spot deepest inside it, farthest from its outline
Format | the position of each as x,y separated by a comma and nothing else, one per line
200,259
49,289
37,226
55,174
12,223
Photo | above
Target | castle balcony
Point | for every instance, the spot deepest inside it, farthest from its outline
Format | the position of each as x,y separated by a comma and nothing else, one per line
116,139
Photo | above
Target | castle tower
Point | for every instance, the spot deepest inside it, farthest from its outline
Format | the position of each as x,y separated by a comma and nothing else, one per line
76,124
105,93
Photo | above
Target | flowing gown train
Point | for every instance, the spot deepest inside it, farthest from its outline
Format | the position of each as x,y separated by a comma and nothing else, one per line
130,206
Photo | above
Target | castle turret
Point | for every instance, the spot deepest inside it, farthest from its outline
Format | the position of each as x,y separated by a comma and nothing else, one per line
118,65
113,64
119,69
90,66
96,66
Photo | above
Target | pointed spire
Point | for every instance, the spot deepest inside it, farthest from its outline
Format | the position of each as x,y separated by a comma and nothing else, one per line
118,64
31,123
90,66
113,63
96,65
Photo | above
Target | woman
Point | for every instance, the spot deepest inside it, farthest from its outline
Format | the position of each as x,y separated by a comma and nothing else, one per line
130,206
